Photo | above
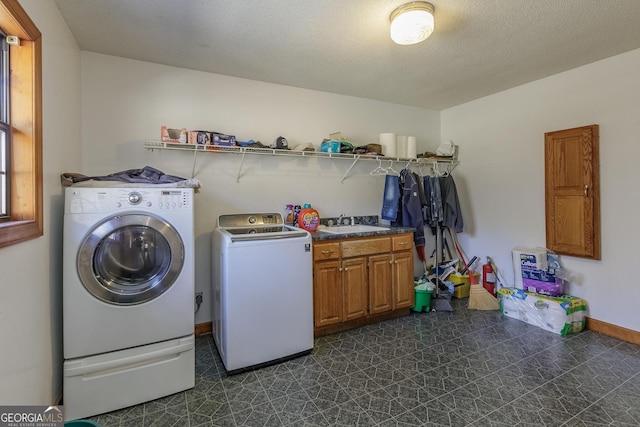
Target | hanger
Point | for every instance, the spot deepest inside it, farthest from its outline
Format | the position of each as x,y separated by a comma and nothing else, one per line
390,170
435,169
379,170
421,170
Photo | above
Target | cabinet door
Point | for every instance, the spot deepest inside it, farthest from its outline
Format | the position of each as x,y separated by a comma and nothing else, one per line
327,293
403,294
572,192
380,283
354,284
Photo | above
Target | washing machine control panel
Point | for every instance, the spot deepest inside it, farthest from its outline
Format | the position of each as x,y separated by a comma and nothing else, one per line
165,199
174,199
135,198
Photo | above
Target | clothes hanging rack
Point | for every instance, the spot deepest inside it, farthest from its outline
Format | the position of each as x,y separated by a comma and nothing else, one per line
437,172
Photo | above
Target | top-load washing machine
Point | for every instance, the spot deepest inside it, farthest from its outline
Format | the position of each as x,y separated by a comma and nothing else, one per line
262,290
128,296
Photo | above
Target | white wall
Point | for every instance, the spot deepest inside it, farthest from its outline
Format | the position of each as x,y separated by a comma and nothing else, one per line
125,102
30,307
502,174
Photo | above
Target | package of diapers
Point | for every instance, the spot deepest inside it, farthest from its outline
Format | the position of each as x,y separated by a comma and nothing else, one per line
561,315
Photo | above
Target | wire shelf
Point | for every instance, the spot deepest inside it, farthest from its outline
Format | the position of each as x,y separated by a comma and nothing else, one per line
219,149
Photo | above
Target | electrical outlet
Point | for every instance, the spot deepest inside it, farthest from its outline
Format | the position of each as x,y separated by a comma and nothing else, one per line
198,297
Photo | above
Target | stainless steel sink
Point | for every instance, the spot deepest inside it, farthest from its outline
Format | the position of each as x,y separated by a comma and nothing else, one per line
344,229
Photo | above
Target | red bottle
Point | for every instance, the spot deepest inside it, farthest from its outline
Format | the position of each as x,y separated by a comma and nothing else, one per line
489,278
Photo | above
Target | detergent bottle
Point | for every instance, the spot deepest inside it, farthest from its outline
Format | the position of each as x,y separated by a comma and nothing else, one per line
288,215
308,218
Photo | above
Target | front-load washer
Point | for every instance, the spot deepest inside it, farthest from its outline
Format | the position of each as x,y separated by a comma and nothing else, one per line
128,296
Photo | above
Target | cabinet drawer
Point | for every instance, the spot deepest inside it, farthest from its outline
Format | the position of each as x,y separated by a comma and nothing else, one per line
402,242
365,246
324,251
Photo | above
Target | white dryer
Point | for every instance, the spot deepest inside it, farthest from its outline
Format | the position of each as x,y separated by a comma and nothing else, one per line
128,296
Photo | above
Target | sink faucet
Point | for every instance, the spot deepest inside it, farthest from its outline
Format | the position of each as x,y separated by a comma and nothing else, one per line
353,221
340,219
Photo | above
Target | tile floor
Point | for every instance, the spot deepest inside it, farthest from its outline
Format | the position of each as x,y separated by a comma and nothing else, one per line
466,368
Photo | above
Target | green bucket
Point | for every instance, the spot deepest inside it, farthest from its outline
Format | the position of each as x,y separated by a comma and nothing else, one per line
423,300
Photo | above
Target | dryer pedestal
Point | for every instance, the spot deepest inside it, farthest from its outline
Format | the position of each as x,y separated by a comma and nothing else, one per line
107,382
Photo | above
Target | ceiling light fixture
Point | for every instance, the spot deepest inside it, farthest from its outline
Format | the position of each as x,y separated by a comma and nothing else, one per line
412,23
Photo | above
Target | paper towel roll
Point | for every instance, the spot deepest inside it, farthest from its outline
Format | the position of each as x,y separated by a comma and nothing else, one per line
401,146
388,143
412,148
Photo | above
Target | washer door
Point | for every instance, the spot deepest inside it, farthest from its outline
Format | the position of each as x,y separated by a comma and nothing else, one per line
130,259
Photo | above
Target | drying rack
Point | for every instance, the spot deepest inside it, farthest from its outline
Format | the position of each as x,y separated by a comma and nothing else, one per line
436,171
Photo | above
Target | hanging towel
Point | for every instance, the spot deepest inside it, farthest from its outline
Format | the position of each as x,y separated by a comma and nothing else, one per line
391,198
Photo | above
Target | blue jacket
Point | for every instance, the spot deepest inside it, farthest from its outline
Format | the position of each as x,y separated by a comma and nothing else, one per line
410,208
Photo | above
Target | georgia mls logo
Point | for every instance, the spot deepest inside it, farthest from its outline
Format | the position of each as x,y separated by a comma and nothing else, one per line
31,416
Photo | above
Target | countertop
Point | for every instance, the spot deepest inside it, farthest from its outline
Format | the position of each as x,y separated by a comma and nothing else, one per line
320,236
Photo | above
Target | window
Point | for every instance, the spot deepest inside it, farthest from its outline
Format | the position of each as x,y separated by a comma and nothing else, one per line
4,128
20,127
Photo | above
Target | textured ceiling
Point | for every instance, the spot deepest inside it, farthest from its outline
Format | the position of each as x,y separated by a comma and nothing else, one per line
479,47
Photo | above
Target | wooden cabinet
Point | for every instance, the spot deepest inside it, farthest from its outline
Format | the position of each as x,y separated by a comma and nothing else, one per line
361,280
327,293
380,283
572,192
327,284
354,288
403,295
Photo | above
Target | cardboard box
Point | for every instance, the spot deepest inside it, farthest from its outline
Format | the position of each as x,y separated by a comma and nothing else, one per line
199,137
563,315
223,140
173,135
